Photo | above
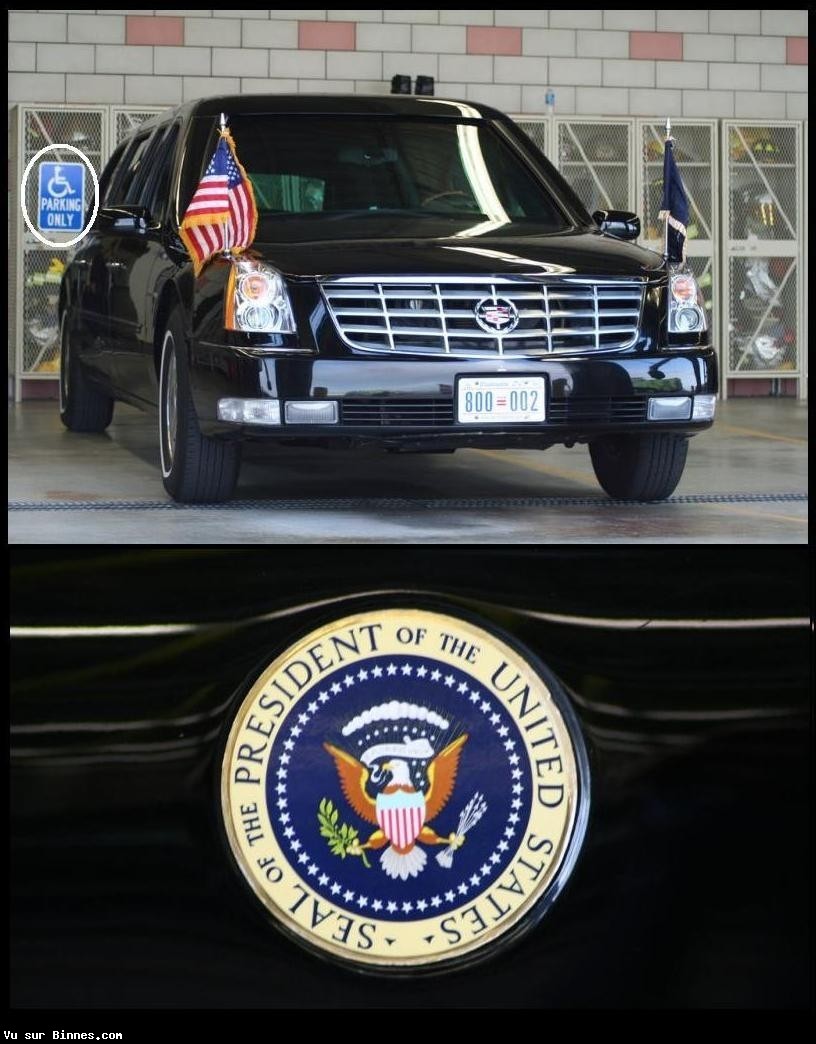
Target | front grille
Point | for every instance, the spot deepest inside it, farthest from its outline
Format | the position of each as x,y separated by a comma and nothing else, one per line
559,315
439,413
405,412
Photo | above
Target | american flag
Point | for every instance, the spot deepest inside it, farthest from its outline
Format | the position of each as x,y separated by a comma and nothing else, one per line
222,215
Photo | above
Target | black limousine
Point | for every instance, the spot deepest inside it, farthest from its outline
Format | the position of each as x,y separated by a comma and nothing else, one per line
422,278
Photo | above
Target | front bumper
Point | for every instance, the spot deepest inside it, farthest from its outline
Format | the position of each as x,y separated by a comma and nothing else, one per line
586,396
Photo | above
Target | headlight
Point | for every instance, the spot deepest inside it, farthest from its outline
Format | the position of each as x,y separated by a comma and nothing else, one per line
686,303
257,301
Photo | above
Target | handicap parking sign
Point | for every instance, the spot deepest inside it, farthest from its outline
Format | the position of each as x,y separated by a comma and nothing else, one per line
61,204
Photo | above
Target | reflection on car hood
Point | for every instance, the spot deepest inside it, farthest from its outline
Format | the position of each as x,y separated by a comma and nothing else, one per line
350,245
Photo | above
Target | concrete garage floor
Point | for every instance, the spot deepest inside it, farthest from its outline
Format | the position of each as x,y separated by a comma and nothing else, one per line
106,489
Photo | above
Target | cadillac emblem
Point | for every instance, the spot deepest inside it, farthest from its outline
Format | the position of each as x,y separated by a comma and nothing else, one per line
496,315
404,788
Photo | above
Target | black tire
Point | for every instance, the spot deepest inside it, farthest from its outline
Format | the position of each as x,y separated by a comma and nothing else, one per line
195,468
82,406
639,467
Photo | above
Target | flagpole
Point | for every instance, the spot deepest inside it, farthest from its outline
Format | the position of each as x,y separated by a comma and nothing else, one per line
666,213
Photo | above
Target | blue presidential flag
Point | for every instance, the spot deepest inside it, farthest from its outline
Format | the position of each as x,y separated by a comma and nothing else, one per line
674,207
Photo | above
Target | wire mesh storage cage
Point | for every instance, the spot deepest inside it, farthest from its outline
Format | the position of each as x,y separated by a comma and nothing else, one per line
125,119
38,272
764,335
35,279
596,158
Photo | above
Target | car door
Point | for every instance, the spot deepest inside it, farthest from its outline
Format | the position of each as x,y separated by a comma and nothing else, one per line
157,266
130,260
90,279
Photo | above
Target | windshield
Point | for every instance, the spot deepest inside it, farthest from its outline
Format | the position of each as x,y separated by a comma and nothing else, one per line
304,167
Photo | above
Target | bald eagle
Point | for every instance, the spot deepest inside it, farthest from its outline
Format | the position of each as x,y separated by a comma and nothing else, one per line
400,811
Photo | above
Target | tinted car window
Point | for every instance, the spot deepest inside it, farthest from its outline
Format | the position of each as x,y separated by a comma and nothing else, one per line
143,165
129,168
307,165
156,187
106,178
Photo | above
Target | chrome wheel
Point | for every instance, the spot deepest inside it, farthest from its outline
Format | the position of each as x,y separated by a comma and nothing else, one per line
168,403
171,407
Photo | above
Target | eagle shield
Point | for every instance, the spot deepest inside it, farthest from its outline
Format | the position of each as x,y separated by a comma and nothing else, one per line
401,817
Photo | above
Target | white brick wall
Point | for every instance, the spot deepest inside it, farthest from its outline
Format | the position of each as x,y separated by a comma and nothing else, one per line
576,19
92,89
761,49
503,97
619,72
93,28
681,20
734,76
728,22
111,58
755,105
520,70
22,57
784,78
298,64
594,43
65,57
28,25
152,90
548,41
270,34
214,32
667,103
352,65
439,39
384,37
733,62
470,68
183,61
608,100
682,74
247,61
708,47
524,18
708,103
785,23
629,20
576,71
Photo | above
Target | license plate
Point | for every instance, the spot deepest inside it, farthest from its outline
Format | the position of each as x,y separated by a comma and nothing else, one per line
500,400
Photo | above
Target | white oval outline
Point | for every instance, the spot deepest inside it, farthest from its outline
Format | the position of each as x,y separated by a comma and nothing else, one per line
27,171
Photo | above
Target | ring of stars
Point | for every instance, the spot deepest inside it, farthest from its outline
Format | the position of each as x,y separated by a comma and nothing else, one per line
471,884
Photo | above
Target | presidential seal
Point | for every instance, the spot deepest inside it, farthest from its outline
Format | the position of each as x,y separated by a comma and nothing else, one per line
405,787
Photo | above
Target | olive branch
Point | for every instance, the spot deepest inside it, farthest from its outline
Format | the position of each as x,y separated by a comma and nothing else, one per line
342,839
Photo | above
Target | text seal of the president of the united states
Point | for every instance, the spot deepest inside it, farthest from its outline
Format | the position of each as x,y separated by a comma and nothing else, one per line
405,787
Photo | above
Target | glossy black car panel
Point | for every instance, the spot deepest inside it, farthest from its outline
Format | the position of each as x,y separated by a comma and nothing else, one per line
690,677
131,274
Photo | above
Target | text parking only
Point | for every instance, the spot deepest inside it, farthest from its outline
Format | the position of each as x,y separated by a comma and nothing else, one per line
61,197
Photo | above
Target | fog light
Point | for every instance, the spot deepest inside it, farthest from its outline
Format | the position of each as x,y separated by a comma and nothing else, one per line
311,412
249,411
688,319
678,407
704,406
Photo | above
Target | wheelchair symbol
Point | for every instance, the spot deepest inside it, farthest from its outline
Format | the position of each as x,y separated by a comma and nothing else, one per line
63,183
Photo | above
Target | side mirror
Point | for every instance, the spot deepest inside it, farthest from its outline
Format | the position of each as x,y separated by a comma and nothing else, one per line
122,219
619,223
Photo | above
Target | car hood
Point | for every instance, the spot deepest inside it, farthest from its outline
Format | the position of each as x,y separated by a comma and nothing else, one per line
386,246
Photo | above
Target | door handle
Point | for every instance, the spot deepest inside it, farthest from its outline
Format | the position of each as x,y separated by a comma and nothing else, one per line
115,264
